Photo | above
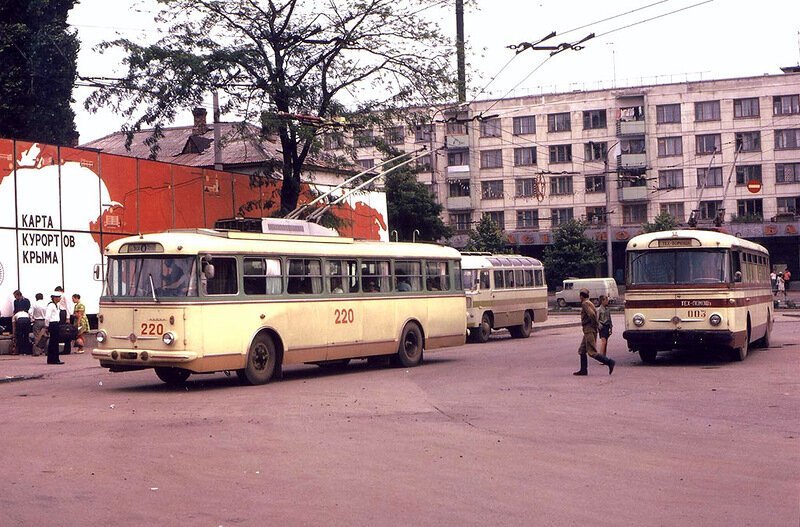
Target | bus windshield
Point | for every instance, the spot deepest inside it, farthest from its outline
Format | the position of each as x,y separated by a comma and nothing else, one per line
152,277
661,267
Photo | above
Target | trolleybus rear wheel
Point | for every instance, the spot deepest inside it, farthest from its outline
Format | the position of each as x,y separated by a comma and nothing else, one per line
522,331
262,361
648,356
173,376
409,352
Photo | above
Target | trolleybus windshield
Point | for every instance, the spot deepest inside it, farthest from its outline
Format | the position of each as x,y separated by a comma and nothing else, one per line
152,276
693,266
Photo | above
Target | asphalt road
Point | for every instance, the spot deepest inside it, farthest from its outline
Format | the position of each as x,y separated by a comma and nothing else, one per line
493,434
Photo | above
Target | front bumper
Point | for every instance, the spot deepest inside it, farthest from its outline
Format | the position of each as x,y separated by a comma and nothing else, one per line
667,339
123,359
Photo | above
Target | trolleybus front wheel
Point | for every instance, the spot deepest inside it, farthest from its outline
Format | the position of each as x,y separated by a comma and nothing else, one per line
409,352
648,356
173,376
522,331
262,362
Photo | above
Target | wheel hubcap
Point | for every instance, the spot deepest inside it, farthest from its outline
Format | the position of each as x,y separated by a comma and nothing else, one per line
260,357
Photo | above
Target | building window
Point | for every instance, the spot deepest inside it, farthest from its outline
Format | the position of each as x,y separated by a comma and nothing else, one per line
595,151
560,216
634,213
749,208
596,183
490,127
709,177
366,163
560,153
594,119
491,159
363,137
460,221
596,215
423,133
525,187
333,141
670,178
788,205
706,111
744,108
675,210
458,158
525,156
670,146
525,125
708,144
560,185
786,104
423,163
395,135
459,188
492,189
498,217
787,173
746,173
558,122
748,141
668,113
710,209
787,139
632,146
527,219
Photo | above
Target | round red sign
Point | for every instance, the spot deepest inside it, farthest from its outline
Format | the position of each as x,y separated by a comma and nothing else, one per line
754,186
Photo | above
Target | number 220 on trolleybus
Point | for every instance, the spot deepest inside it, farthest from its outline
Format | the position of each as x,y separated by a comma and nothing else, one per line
203,301
694,288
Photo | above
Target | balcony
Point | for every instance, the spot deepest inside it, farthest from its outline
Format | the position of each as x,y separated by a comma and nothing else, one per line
458,169
456,141
630,128
633,193
631,161
459,203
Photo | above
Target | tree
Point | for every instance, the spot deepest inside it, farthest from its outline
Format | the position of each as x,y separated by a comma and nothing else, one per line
487,237
287,64
663,222
38,53
572,253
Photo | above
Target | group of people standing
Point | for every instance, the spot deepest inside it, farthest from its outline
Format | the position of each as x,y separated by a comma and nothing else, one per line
780,282
50,323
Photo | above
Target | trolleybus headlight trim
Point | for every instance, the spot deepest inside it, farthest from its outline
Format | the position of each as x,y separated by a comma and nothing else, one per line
101,336
638,320
168,338
715,319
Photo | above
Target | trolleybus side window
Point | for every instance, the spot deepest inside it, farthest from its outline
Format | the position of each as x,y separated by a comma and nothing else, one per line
437,276
225,281
262,276
408,275
342,276
374,276
304,277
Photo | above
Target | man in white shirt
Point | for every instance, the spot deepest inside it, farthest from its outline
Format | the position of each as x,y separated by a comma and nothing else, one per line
38,311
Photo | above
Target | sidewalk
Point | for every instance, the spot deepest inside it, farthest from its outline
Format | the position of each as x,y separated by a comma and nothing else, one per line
27,367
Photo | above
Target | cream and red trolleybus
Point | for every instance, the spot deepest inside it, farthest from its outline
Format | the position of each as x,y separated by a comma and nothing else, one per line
201,301
695,288
503,291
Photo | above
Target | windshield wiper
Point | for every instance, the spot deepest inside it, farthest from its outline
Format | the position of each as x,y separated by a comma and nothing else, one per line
152,287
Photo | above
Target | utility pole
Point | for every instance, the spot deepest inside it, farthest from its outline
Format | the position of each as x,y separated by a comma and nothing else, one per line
217,146
462,67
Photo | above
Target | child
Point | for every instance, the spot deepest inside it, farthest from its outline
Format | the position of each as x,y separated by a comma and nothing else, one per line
81,322
604,320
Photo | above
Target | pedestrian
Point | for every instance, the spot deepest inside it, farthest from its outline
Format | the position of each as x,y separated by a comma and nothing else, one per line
781,285
606,326
53,318
588,345
39,311
81,322
773,280
22,324
787,275
64,316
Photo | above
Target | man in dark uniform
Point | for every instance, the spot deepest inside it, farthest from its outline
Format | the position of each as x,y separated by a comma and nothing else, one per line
588,345
22,324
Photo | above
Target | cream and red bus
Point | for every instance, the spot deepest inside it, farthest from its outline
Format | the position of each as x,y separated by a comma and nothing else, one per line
202,301
503,291
696,289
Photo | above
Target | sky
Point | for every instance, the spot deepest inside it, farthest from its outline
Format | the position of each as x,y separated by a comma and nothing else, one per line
666,41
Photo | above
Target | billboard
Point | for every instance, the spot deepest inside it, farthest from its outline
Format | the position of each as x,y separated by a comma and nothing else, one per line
60,206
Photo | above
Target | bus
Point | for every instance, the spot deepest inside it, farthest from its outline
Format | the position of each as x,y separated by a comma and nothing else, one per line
503,291
203,301
696,289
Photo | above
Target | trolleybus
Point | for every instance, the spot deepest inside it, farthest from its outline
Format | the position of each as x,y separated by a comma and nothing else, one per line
695,288
503,291
201,301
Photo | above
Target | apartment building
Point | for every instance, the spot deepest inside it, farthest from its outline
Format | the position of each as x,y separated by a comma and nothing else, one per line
724,152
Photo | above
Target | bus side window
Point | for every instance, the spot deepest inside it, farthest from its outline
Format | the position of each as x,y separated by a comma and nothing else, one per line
736,265
498,280
225,281
529,278
539,277
518,278
485,284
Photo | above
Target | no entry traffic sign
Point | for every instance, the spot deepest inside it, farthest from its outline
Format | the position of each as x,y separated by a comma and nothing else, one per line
754,186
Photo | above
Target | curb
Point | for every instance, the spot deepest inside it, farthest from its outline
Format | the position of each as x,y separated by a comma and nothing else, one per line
16,378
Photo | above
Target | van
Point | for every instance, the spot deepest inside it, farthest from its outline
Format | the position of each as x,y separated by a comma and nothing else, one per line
570,294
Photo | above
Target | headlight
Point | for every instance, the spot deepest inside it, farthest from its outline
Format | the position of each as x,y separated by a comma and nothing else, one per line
715,319
101,336
168,338
638,320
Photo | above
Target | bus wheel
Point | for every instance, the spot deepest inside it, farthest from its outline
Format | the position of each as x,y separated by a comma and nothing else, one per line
763,342
410,351
522,331
173,376
740,353
262,361
482,332
648,356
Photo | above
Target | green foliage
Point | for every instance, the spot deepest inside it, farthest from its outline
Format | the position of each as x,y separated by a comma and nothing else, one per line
286,65
663,222
747,218
572,253
38,56
488,237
